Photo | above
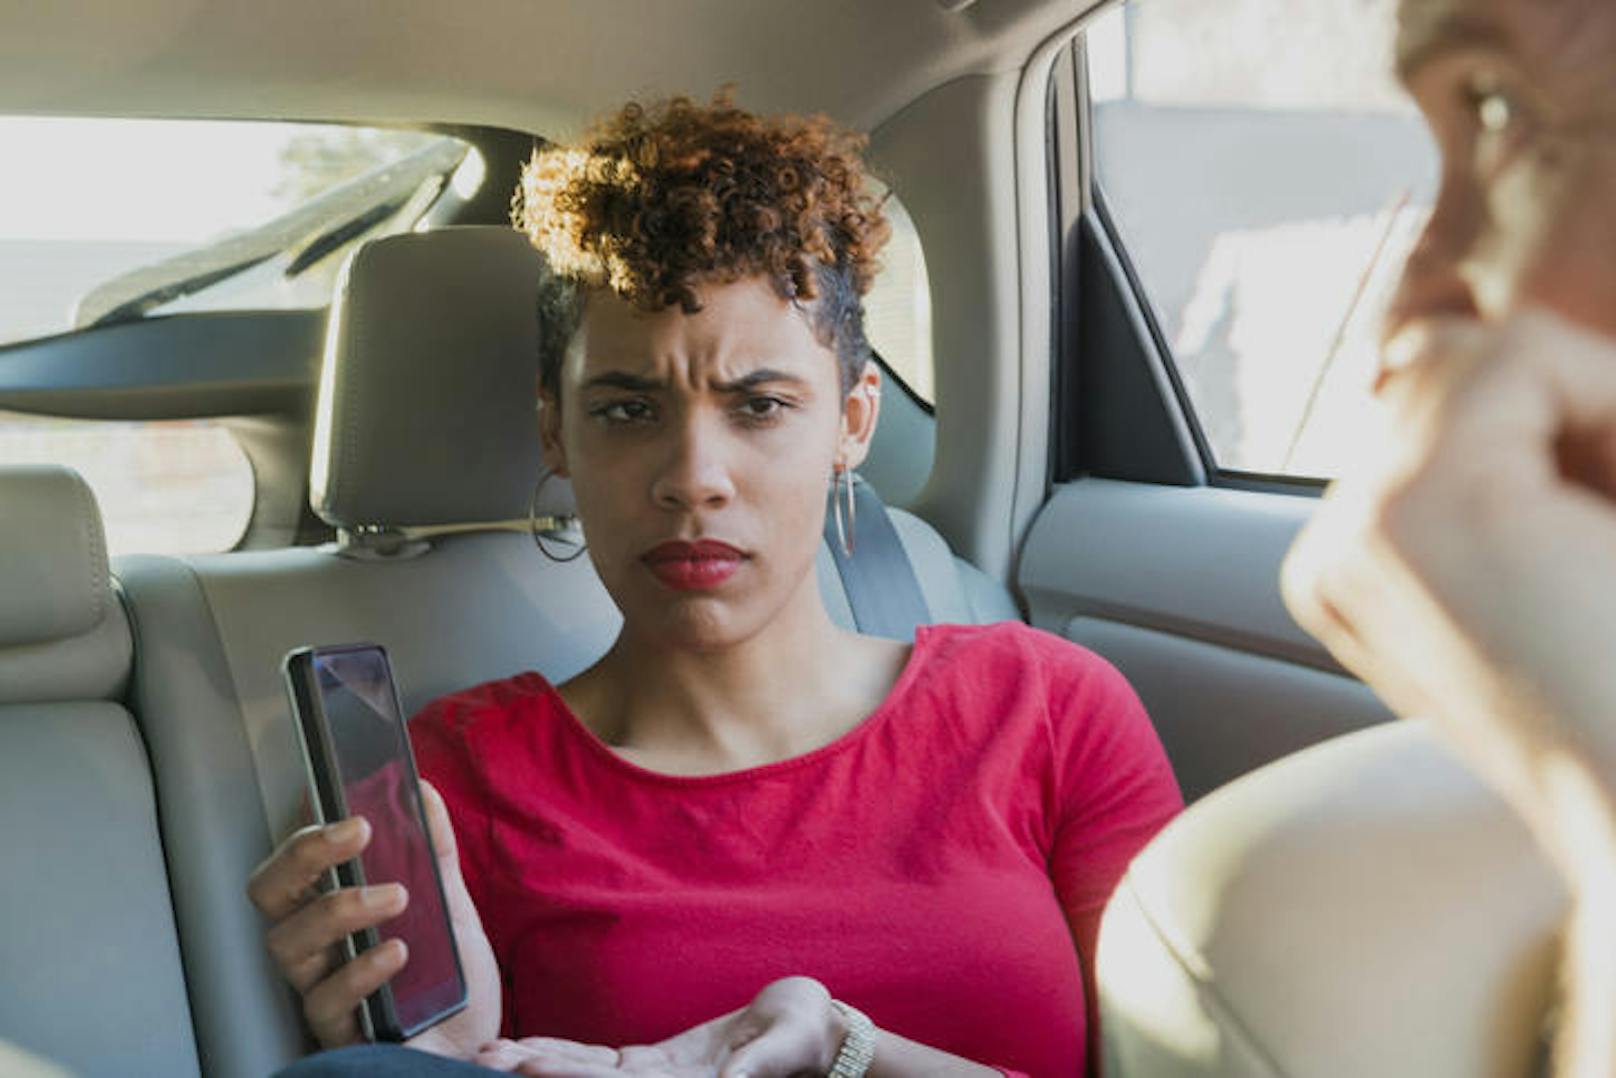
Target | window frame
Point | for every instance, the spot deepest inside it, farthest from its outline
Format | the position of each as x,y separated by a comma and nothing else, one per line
1088,238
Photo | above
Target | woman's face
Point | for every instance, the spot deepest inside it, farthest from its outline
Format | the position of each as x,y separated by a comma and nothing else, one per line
700,449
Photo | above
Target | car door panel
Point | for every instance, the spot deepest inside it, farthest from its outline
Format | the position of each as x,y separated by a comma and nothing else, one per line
1178,587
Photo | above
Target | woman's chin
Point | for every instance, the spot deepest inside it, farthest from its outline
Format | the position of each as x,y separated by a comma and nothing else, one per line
696,622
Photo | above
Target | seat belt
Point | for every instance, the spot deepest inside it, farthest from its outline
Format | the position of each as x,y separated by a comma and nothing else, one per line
879,581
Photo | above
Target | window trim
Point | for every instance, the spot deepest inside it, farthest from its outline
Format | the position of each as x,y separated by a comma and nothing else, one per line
1096,209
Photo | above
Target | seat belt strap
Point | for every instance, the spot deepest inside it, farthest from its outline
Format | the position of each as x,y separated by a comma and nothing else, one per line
879,580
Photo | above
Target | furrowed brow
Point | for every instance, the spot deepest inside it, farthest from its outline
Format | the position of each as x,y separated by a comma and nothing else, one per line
753,379
623,380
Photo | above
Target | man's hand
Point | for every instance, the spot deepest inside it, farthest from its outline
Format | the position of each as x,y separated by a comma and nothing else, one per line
789,1029
1468,574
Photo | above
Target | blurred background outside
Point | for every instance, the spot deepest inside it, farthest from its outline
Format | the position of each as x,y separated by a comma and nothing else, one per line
103,209
1267,178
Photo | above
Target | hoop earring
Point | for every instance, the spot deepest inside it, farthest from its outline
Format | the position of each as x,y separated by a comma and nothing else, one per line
845,527
537,525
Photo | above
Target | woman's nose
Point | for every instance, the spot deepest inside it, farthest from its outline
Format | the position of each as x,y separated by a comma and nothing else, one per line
696,472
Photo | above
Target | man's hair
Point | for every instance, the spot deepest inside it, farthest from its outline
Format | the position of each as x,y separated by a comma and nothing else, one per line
656,201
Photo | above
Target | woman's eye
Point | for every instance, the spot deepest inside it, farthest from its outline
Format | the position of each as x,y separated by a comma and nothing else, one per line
625,411
754,409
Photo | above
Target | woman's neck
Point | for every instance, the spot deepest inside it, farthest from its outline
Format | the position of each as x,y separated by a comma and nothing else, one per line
799,683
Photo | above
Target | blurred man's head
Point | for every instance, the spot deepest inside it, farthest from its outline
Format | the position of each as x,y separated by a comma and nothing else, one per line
1521,96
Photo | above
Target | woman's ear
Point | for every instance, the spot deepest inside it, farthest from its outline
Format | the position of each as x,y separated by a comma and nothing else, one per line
555,453
860,410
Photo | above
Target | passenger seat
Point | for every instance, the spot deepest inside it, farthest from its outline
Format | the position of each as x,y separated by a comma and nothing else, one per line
90,966
1365,907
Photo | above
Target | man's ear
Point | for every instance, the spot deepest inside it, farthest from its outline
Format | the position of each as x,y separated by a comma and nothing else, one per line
860,410
555,453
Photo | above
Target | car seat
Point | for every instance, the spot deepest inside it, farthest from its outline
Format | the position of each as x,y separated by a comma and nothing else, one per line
1366,907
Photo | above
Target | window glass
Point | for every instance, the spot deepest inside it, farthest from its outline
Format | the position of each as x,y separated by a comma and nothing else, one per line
897,312
105,220
110,220
1267,179
180,487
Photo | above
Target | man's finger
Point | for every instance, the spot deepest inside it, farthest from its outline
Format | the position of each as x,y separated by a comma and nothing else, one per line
288,878
1580,364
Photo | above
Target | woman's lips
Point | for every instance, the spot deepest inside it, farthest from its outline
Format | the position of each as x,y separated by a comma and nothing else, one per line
699,566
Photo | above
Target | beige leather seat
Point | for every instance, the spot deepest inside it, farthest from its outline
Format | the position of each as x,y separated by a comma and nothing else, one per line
90,971
1365,909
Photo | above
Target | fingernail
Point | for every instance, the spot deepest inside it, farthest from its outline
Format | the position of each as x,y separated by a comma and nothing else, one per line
382,896
346,831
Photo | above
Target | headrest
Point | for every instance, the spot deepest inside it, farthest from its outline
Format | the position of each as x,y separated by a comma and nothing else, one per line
1365,907
53,557
427,410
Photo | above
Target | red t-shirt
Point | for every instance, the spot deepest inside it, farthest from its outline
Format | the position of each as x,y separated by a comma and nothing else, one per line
931,867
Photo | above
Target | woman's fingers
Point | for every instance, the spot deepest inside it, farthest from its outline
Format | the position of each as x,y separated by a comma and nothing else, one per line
302,943
330,1006
439,827
288,877
549,1057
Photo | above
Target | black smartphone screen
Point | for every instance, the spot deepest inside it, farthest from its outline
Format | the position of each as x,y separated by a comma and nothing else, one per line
371,757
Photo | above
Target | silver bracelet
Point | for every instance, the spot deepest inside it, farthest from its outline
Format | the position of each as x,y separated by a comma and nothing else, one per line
858,1047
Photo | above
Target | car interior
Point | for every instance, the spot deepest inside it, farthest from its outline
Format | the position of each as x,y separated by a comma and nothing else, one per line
1045,454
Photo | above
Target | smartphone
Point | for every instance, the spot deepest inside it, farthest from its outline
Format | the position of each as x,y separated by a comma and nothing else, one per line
360,764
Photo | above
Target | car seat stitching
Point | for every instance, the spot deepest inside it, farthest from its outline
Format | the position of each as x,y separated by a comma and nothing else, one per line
94,541
1193,963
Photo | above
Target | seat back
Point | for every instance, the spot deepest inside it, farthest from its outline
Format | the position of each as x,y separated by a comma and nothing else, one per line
1366,907
91,958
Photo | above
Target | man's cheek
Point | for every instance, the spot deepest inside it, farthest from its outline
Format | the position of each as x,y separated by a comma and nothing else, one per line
1515,257
1561,247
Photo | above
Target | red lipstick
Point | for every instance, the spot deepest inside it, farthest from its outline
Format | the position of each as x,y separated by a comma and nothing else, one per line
698,566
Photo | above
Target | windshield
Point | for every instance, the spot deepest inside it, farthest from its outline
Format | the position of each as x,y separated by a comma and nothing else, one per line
109,220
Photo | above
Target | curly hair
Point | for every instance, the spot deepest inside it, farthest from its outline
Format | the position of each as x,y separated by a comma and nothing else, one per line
656,201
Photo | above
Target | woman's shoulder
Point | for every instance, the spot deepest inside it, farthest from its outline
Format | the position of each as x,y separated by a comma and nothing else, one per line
489,702
1013,647
1008,669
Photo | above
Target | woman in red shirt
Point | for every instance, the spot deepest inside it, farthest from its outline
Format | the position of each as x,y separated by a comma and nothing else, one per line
744,829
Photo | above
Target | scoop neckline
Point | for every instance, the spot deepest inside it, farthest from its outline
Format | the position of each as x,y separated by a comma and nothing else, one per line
906,677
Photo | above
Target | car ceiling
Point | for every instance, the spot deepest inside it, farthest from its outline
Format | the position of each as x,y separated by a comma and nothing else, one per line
535,65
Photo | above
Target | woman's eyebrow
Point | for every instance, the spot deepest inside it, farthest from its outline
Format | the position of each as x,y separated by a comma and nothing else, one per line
637,383
753,379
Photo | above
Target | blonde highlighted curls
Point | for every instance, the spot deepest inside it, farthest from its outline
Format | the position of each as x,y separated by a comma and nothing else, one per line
656,201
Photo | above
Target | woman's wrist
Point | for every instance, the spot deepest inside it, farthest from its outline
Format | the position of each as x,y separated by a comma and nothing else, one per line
853,1034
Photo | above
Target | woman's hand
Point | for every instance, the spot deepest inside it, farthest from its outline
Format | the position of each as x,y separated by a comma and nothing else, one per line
307,927
1469,574
789,1029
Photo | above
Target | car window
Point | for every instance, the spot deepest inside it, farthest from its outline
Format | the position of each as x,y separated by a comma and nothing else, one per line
897,312
176,487
107,220
1255,160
